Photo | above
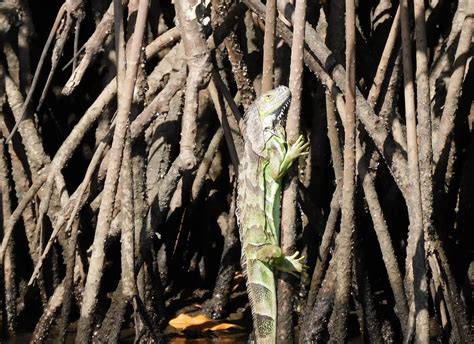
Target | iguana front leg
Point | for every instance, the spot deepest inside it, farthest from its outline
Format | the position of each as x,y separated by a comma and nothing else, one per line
280,167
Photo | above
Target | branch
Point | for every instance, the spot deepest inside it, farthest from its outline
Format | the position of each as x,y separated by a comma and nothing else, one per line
198,58
285,292
269,46
54,28
344,240
415,275
454,89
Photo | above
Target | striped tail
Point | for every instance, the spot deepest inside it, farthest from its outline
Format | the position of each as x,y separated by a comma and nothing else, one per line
262,297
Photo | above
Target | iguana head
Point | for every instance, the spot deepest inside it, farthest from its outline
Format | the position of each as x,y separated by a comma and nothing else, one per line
264,118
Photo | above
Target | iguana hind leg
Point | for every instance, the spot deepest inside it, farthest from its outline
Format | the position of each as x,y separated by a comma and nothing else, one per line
273,255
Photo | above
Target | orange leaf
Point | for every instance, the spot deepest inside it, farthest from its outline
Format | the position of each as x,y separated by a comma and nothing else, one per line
187,322
199,323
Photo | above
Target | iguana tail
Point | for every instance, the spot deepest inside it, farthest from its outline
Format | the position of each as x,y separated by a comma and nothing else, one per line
262,296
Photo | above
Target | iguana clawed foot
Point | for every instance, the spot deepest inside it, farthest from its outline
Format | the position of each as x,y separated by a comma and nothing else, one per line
293,264
296,263
273,255
297,149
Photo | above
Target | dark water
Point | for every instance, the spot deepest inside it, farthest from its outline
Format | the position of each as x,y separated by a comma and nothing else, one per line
232,339
128,337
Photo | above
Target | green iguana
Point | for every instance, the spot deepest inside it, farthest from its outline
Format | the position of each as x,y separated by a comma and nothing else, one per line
265,161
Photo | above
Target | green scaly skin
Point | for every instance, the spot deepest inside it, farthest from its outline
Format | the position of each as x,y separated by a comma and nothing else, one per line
266,160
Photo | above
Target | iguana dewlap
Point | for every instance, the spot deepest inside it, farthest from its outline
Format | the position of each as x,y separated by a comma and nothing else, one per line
266,159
